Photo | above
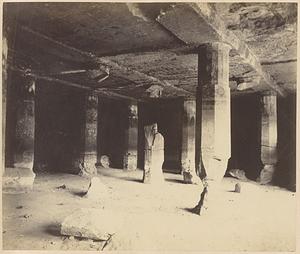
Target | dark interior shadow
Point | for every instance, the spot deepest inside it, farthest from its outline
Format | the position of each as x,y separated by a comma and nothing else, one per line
53,229
132,179
78,193
175,181
190,210
126,178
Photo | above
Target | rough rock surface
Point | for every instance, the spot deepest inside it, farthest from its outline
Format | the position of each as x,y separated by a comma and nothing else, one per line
104,161
94,224
17,180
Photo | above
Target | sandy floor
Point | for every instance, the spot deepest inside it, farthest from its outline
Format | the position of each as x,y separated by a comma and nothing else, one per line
260,218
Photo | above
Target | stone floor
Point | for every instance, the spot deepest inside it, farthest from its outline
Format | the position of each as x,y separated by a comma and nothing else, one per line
260,218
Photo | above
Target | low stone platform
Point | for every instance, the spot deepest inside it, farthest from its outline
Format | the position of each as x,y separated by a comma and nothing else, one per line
17,180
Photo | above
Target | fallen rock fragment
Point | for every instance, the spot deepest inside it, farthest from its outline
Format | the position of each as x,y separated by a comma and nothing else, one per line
104,161
237,188
239,174
95,224
61,187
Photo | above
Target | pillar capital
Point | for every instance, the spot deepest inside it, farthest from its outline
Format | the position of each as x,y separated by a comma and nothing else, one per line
215,46
269,93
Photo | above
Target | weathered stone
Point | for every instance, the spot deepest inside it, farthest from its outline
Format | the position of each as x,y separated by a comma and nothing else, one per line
266,174
104,161
213,103
268,137
17,180
86,162
154,155
237,188
94,224
188,143
96,190
131,138
238,173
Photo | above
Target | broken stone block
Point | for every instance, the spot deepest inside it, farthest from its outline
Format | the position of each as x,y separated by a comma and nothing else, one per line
238,173
97,189
95,224
104,161
17,180
237,188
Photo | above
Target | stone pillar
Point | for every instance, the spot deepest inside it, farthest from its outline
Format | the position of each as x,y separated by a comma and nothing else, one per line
131,138
188,142
213,103
88,155
19,175
4,92
268,137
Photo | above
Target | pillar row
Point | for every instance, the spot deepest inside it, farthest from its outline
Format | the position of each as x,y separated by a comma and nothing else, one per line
213,110
131,138
268,136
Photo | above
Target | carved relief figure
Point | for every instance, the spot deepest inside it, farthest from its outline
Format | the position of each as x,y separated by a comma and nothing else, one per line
154,155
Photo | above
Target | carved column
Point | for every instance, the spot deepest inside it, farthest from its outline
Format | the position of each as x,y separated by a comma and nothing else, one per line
131,138
213,103
88,155
268,136
188,142
4,91
20,135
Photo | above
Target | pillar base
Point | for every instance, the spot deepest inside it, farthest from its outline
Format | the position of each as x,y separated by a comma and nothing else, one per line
266,174
87,165
17,180
191,177
130,162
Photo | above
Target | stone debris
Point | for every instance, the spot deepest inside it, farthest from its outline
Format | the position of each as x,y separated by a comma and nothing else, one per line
104,161
19,207
237,188
61,187
95,224
238,173
97,189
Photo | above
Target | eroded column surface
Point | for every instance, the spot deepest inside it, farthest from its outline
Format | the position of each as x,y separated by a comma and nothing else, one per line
131,138
268,137
188,142
19,173
88,155
213,99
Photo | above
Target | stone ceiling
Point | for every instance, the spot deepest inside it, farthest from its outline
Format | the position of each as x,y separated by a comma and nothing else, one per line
125,50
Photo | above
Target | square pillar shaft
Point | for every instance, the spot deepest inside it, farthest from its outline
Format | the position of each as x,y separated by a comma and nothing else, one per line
188,141
213,99
88,155
131,138
268,136
19,175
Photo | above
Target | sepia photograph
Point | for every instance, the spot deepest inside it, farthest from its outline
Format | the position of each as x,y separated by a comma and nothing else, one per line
149,126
